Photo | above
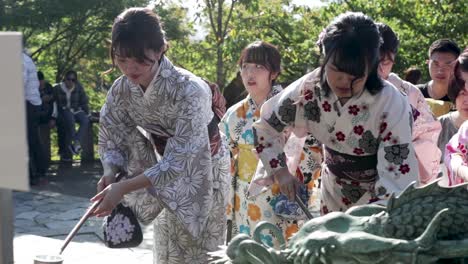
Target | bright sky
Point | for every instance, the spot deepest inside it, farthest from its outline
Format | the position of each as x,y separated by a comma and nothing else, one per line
192,8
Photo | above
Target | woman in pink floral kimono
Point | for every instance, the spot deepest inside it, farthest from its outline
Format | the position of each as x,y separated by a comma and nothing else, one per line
157,126
456,151
363,122
426,128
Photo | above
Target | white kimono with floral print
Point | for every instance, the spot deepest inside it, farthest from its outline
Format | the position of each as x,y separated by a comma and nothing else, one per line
368,127
190,186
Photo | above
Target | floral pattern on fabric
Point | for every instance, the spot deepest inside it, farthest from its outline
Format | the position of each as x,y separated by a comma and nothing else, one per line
455,155
244,211
426,130
396,154
190,186
367,125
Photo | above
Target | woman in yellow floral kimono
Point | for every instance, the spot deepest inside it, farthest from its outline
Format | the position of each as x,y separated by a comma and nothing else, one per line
259,67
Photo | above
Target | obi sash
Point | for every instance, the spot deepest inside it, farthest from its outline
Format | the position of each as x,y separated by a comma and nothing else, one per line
361,169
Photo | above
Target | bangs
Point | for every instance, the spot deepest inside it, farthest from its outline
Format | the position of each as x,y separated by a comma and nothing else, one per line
126,45
257,55
351,59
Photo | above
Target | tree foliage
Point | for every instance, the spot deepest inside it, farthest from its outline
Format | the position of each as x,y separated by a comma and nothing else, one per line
74,34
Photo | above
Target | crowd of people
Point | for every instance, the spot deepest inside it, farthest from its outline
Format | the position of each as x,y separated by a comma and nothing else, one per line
47,107
351,132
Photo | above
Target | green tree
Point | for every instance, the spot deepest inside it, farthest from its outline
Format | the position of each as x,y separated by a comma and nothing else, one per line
418,23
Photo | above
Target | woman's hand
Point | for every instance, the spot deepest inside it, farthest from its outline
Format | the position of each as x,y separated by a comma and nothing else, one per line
289,185
105,181
110,196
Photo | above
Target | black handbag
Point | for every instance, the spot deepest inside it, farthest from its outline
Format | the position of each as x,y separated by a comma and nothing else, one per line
122,229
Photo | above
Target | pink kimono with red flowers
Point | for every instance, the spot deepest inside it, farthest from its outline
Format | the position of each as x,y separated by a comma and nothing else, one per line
426,130
368,151
456,154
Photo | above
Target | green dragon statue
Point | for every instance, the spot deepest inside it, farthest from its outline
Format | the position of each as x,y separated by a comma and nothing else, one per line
421,225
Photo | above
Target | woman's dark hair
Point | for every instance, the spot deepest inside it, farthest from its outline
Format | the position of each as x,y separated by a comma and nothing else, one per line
262,53
134,31
458,84
351,42
413,75
390,40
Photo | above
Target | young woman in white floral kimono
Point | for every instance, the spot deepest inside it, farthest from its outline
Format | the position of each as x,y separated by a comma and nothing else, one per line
260,65
363,122
155,127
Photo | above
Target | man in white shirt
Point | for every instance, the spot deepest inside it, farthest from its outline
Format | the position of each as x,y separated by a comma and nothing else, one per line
38,163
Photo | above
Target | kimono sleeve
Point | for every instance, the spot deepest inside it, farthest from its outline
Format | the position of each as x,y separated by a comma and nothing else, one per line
396,160
277,115
183,178
426,132
456,154
114,128
224,129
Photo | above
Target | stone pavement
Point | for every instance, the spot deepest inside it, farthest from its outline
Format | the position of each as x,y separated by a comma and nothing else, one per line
44,216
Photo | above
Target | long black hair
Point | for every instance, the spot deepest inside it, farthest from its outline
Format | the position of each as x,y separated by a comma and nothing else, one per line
351,42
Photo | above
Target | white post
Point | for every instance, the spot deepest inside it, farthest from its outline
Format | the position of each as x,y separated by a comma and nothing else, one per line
13,155
6,227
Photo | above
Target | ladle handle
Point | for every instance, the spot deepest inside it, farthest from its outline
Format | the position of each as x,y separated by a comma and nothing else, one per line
78,226
84,218
303,207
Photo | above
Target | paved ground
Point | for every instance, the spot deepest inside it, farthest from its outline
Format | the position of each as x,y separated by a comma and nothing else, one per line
45,215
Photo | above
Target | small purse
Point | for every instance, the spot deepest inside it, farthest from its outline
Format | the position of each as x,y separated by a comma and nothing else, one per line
121,228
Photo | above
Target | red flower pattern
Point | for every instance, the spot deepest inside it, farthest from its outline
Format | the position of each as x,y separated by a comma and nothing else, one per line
274,163
346,201
404,168
388,136
325,209
462,148
259,148
358,130
383,126
308,95
353,110
358,151
326,106
340,136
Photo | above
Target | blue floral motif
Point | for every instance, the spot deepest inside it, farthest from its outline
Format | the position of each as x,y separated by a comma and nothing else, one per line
243,229
249,115
266,239
248,136
288,209
273,201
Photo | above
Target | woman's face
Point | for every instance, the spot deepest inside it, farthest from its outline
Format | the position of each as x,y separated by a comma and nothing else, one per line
340,82
139,72
257,79
462,99
385,65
